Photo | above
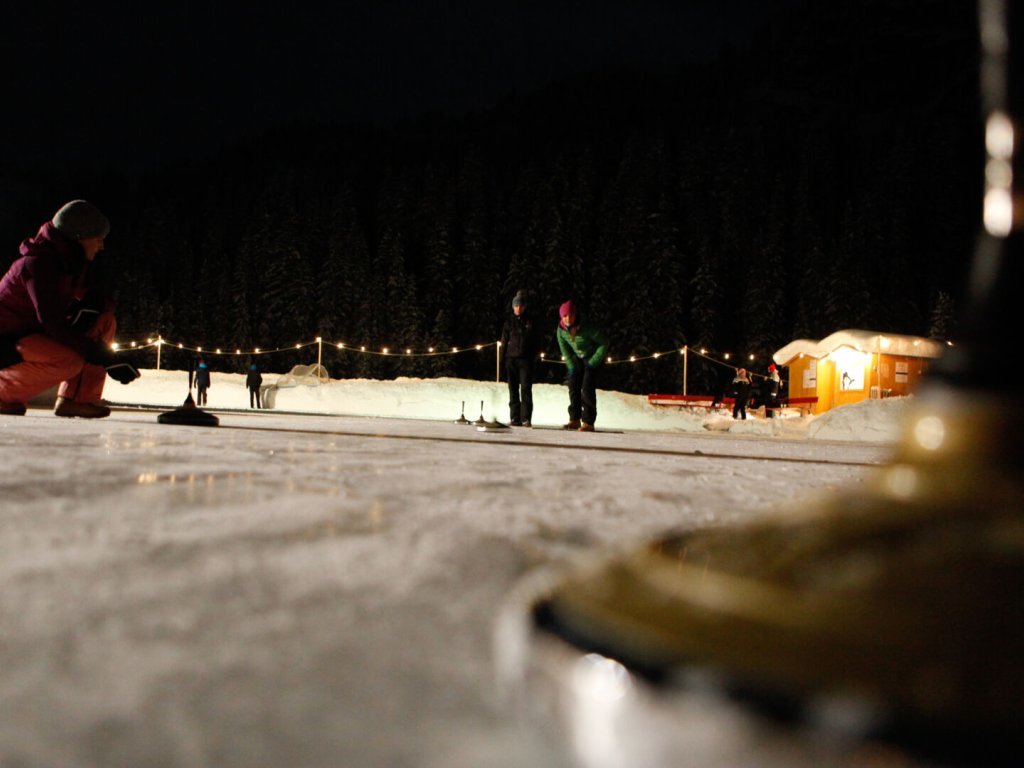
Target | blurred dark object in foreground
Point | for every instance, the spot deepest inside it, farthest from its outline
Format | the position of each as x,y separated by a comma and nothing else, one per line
879,626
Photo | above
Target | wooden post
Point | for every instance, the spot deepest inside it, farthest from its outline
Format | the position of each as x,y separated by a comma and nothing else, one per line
686,362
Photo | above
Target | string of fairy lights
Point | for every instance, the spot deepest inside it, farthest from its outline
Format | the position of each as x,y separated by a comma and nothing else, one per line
726,359
317,342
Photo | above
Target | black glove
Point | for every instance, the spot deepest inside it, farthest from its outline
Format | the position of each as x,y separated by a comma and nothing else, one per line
83,312
82,319
126,373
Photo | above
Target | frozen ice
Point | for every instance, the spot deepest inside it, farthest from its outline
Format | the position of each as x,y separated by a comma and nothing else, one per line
316,584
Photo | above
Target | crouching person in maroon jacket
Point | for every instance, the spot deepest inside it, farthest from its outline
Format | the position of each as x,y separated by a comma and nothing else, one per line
56,326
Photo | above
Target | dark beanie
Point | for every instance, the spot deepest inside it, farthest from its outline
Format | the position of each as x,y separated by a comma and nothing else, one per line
80,219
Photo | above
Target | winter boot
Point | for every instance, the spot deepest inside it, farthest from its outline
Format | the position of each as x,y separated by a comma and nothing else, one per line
573,424
70,408
584,427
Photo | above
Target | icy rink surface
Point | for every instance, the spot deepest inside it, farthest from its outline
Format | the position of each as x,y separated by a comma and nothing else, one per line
299,590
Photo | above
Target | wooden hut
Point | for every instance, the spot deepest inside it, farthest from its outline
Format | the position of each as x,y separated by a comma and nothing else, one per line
853,365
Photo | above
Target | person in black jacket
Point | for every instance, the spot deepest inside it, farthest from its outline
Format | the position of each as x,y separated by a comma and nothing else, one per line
254,380
519,340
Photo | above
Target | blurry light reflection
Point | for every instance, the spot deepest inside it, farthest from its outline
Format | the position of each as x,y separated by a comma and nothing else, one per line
901,481
998,212
930,433
998,173
601,678
999,135
601,686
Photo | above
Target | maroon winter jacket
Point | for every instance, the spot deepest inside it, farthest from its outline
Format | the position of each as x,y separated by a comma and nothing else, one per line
37,291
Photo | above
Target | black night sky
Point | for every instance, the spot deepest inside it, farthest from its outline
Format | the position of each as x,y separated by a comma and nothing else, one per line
123,84
732,174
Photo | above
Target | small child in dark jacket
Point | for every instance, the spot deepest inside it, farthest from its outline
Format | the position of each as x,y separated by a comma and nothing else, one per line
202,382
253,380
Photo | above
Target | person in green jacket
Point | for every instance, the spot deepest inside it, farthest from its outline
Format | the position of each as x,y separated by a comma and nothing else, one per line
583,348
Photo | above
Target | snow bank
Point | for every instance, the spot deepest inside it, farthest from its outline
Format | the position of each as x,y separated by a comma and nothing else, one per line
445,399
869,420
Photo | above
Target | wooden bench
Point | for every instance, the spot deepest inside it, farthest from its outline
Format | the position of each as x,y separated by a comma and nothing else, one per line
689,401
804,404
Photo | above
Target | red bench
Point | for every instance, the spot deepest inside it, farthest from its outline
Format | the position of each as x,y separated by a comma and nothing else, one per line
804,404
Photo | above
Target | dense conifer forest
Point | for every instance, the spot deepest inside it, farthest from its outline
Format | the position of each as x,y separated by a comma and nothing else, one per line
823,177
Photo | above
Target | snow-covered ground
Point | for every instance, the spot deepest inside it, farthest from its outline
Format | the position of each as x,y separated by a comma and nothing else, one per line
317,584
445,399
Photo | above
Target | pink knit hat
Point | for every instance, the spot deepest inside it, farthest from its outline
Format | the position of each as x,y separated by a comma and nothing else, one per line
568,308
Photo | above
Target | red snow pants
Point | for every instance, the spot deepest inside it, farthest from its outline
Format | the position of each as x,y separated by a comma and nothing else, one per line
45,362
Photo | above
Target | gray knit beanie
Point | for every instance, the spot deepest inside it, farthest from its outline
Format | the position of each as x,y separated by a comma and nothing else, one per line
80,219
519,299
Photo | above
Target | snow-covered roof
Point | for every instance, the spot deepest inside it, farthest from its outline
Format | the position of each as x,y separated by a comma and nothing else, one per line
863,341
